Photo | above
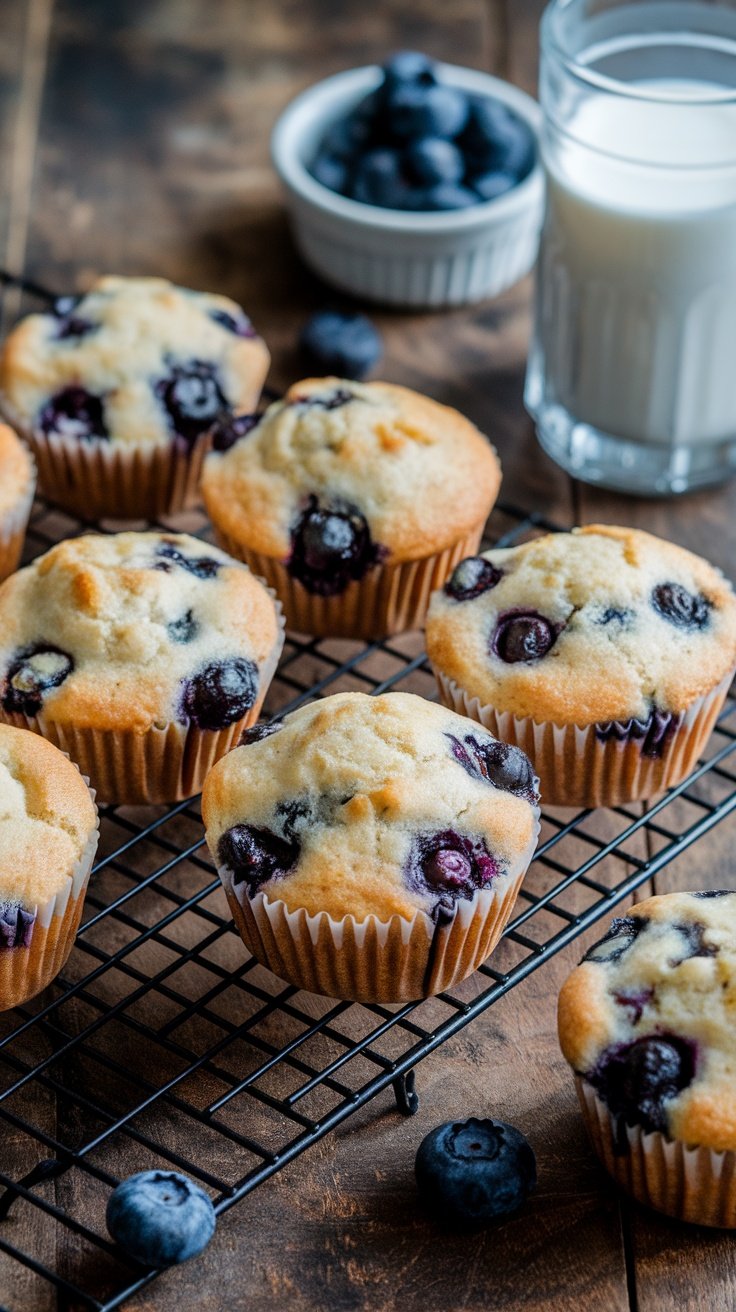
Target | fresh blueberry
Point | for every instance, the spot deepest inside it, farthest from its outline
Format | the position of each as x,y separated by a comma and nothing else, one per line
185,629
160,1217
409,66
192,398
201,567
448,866
504,766
522,636
228,430
471,577
686,610
331,172
255,855
496,140
220,694
637,1080
473,1172
348,345
622,933
449,196
258,732
489,186
426,111
16,925
31,674
433,159
74,412
240,325
378,179
330,547
345,137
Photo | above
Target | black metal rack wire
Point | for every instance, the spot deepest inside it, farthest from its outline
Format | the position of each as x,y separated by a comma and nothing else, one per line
162,1032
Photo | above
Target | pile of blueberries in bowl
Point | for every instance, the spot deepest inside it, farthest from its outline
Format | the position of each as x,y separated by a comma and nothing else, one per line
417,143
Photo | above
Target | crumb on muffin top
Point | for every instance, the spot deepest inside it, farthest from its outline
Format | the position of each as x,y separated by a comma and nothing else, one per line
648,1017
416,473
359,805
135,361
601,624
132,630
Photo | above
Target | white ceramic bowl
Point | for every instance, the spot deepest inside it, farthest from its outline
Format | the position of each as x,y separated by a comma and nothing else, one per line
401,258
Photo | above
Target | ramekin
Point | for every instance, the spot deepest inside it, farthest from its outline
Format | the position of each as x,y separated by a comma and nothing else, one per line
395,257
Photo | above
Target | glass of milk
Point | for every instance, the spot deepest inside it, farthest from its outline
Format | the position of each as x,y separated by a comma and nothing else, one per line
632,372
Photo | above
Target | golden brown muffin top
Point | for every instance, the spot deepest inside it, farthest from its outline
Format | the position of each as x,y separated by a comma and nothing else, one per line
601,624
419,474
16,472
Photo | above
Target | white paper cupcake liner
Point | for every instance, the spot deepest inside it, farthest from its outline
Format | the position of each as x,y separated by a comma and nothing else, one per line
165,763
577,768
25,971
390,598
371,960
694,1184
13,527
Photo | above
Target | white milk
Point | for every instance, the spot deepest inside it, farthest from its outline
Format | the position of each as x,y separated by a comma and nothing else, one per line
639,266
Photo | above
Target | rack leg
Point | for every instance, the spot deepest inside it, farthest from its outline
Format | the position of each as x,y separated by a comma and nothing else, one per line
407,1099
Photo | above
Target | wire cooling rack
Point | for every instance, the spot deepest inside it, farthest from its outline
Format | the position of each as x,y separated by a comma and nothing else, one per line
162,1037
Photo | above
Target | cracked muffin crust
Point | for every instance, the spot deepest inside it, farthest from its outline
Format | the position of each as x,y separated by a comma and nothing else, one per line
142,654
341,484
17,485
371,847
604,653
48,836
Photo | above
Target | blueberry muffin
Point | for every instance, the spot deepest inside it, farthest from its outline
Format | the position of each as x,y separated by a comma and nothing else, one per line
604,653
372,847
116,392
48,838
17,485
353,500
647,1024
144,655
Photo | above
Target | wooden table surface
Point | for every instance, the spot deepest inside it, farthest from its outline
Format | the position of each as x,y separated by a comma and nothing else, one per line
134,139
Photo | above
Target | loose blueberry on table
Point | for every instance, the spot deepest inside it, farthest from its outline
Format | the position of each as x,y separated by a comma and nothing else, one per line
471,1173
416,143
160,1217
331,546
31,674
333,342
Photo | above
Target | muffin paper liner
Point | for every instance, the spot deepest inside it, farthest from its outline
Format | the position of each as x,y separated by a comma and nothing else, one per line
372,960
96,479
13,527
577,768
694,1184
165,763
390,598
25,971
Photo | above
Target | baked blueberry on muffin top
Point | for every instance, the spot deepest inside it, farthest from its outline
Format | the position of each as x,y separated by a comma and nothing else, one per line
647,1018
135,630
135,361
340,477
365,806
604,626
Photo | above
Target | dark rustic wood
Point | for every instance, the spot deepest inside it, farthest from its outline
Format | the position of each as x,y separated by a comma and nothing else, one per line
148,153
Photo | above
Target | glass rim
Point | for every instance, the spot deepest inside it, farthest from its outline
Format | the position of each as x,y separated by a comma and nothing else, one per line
583,73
